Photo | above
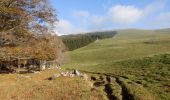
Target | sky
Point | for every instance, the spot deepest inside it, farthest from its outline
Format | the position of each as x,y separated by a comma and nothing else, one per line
79,16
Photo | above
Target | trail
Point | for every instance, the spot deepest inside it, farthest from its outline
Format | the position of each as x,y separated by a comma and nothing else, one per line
118,87
112,87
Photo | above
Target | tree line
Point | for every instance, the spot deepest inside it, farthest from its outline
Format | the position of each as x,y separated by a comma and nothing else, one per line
73,42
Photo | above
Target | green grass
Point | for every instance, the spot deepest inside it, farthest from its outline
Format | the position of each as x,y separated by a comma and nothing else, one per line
121,47
130,54
136,91
138,61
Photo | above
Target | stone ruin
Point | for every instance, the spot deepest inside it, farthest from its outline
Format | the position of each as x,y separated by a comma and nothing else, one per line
69,74
13,64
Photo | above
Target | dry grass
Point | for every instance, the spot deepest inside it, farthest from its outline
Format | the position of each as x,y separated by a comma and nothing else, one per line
37,87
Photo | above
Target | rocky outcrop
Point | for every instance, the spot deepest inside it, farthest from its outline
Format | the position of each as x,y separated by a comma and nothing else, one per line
73,73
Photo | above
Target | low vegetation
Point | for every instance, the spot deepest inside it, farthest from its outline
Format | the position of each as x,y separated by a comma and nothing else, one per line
139,59
118,65
38,87
120,68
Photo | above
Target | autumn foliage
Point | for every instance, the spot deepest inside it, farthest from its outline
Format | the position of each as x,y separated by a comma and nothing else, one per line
27,30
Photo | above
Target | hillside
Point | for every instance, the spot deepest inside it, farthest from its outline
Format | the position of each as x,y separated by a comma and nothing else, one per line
139,56
76,41
132,65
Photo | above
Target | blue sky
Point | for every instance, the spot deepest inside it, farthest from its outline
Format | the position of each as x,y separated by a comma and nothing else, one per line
77,16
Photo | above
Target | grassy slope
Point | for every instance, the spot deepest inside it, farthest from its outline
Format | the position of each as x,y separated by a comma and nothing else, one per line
125,45
121,55
109,56
37,87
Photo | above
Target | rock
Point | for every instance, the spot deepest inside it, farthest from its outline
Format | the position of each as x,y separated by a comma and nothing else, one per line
63,74
42,67
57,67
71,75
54,77
77,73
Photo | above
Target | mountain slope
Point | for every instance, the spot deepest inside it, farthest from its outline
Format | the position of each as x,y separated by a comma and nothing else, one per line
129,54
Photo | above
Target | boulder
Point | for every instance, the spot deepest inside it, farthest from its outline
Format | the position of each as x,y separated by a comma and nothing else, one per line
42,67
63,74
77,73
71,75
54,77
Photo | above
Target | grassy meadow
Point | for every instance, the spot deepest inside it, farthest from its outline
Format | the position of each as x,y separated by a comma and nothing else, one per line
139,59
133,65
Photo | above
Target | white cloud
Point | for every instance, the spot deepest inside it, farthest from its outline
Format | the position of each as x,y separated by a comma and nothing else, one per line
64,27
129,14
118,14
125,14
81,13
115,16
